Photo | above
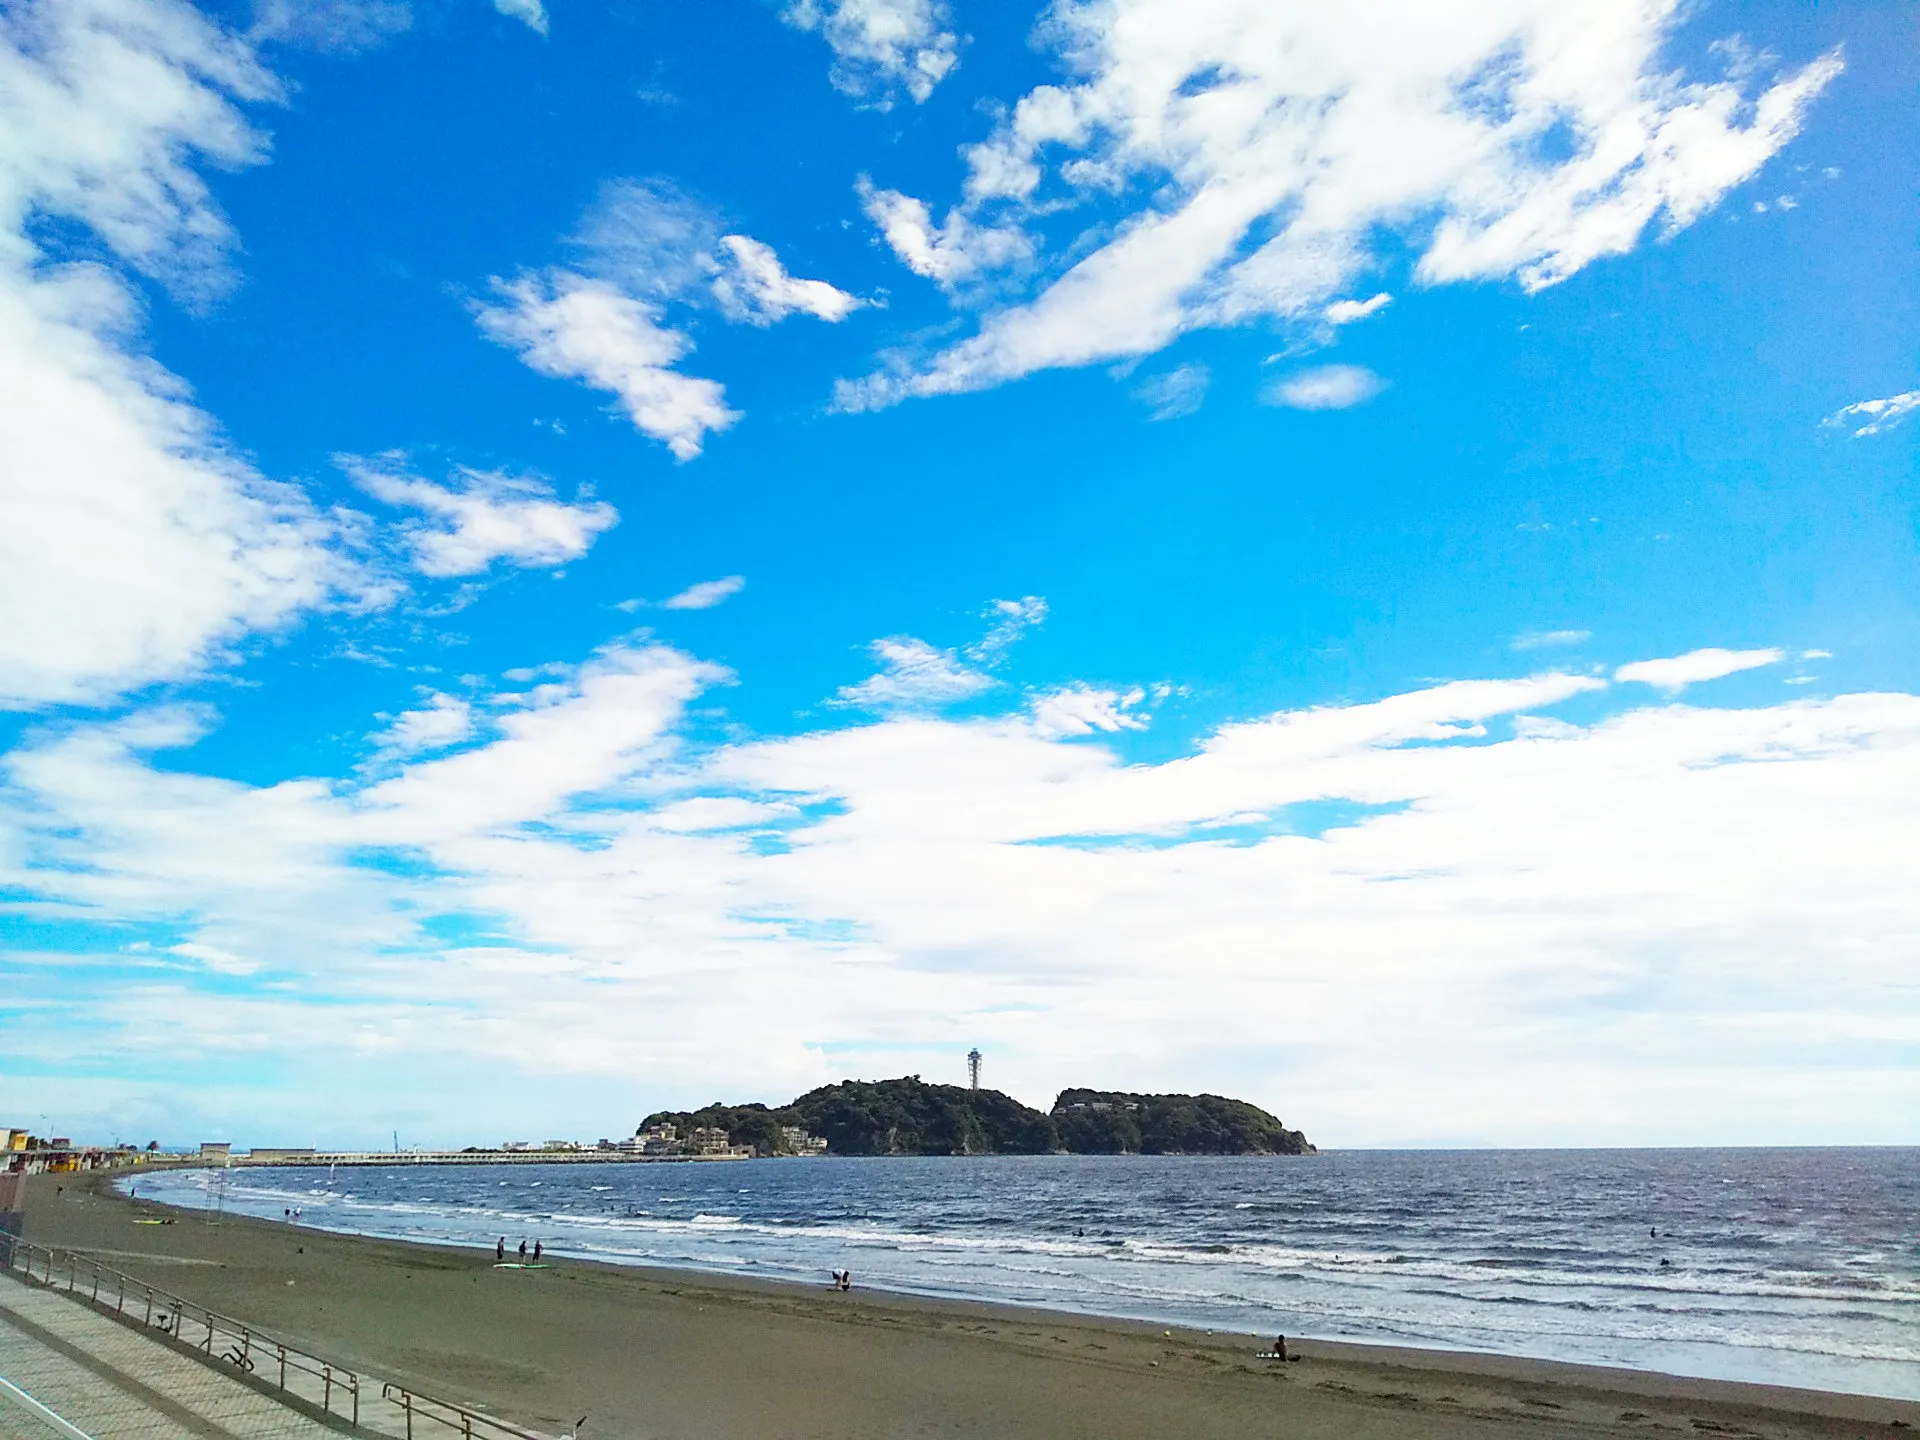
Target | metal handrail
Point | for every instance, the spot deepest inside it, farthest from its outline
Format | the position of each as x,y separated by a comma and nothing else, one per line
171,1315
455,1417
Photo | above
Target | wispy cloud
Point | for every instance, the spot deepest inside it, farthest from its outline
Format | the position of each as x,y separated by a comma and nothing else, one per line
1695,667
482,517
705,595
1328,387
1178,392
1256,188
914,675
1870,417
1549,639
1345,312
573,328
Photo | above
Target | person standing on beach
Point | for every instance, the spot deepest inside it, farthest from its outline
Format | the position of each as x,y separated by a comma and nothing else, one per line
500,1248
523,1250
536,1250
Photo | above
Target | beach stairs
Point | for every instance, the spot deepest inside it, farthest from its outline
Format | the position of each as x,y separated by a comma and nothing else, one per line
71,1370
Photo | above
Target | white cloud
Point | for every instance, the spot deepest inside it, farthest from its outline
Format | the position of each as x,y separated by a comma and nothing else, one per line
1011,620
706,594
1696,666
650,238
913,675
754,286
1180,391
484,517
1327,387
1549,639
880,46
950,254
1876,415
1345,312
645,244
138,547
1086,710
1240,159
1640,924
343,27
444,720
572,328
656,242
530,13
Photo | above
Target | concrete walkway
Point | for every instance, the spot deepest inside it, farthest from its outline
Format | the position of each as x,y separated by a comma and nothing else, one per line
109,1382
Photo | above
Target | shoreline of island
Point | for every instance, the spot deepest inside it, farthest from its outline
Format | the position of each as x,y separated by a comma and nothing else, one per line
648,1341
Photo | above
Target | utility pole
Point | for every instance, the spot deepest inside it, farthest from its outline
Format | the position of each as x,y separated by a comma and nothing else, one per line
973,1069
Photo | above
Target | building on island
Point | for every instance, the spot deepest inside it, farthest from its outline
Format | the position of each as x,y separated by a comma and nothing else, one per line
799,1142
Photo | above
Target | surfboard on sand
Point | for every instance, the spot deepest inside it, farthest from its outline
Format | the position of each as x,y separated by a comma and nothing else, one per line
521,1265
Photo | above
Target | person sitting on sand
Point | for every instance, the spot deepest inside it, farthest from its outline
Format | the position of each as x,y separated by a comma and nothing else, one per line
846,1279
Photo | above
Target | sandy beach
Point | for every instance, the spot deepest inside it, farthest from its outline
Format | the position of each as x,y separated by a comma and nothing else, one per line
679,1354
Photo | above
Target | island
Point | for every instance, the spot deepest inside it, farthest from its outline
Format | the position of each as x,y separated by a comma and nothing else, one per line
909,1116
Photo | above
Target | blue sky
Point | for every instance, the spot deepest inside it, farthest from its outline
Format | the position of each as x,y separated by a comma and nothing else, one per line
564,559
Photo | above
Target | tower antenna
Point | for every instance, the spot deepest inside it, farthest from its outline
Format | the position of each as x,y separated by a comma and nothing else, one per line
973,1069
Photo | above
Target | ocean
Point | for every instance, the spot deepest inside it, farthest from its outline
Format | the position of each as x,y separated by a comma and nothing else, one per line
1793,1267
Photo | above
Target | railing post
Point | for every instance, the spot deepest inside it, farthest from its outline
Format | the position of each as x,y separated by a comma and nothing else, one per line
283,1365
327,1404
356,1400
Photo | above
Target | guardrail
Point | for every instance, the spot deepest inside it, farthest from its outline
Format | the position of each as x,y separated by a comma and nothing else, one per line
471,1426
138,1302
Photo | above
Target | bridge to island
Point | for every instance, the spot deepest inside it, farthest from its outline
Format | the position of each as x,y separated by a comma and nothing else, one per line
220,1155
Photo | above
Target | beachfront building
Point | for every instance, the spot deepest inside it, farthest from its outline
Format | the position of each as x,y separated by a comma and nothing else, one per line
799,1142
708,1140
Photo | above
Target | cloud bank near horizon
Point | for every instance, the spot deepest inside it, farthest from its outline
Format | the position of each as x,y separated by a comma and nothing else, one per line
561,886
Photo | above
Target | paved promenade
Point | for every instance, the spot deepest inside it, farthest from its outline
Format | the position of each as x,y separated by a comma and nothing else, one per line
108,1382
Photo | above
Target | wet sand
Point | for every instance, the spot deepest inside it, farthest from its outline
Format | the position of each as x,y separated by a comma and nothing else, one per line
671,1354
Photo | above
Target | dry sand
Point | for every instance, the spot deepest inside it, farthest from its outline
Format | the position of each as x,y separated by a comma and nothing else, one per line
672,1354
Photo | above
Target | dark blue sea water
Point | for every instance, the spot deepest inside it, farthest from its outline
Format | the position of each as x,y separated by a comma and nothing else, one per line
1795,1267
